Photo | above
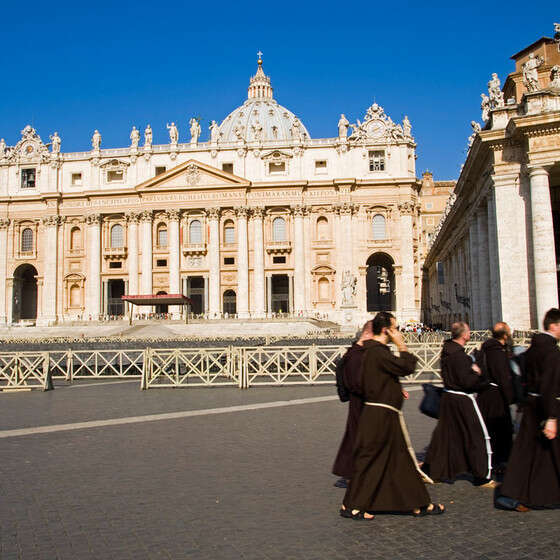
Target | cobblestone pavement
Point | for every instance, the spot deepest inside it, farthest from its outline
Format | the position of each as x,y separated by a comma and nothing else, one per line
251,484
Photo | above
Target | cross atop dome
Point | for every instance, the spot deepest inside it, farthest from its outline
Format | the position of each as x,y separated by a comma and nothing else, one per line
259,84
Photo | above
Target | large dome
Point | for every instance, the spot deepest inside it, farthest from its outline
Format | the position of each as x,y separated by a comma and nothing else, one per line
260,118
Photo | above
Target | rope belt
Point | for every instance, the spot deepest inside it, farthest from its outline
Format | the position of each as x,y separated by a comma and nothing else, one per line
406,437
493,384
482,425
534,394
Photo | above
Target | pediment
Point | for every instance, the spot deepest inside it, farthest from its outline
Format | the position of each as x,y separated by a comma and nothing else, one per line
192,174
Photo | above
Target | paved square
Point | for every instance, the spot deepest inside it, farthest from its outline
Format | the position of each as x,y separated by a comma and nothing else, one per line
243,484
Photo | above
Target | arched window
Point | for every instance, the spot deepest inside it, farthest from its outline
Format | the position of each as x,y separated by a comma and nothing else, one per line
322,228
229,232
324,291
75,238
279,229
27,240
195,232
75,296
379,229
117,236
162,235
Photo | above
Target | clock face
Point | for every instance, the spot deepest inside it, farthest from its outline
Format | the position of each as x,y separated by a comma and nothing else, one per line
376,129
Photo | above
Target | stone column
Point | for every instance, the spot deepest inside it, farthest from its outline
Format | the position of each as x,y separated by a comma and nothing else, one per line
242,264
495,296
147,258
544,256
174,217
93,282
4,224
213,215
299,261
269,294
483,269
51,224
408,309
132,239
259,308
473,271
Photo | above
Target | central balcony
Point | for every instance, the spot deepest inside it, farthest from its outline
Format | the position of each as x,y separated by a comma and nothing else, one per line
278,247
115,252
194,249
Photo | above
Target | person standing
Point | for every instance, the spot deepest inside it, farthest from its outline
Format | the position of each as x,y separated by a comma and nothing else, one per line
495,399
532,478
460,442
385,475
352,379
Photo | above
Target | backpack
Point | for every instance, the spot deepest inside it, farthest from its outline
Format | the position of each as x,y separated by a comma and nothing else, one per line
341,389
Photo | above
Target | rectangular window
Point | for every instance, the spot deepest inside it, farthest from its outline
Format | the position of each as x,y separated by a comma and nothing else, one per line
429,205
377,160
115,264
229,260
161,262
320,166
76,178
227,167
160,169
115,176
279,260
276,167
440,276
28,178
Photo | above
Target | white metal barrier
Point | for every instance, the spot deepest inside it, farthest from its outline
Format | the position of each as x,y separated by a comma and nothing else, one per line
24,371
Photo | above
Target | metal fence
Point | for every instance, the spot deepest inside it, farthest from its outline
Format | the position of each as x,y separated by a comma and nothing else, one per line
234,366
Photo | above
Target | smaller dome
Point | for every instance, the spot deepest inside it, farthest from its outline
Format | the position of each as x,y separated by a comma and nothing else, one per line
260,118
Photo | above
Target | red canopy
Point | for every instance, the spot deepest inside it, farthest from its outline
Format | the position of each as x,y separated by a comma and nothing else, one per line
158,299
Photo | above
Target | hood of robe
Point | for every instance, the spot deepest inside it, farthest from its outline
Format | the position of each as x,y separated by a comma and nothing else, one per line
451,347
542,341
492,344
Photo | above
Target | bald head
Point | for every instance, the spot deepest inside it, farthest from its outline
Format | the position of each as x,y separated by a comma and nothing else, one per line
501,331
367,332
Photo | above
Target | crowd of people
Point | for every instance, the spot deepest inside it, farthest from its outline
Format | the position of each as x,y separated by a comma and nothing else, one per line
474,436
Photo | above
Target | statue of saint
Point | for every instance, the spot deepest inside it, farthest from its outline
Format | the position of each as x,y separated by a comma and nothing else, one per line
348,288
257,131
555,76
55,146
134,137
214,132
531,73
296,130
195,130
173,133
96,140
485,106
148,137
407,127
238,131
2,147
495,92
343,125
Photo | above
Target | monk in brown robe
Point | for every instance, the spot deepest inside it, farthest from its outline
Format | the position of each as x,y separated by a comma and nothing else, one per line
460,443
385,476
495,399
532,479
353,382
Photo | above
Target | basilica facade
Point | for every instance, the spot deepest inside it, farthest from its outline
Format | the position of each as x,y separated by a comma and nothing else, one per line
261,219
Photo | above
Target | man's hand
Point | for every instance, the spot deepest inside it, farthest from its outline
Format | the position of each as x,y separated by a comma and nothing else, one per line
476,369
405,394
396,338
550,428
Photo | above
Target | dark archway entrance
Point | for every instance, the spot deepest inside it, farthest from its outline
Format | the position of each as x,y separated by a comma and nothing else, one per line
115,304
280,293
24,298
195,291
163,308
230,302
380,283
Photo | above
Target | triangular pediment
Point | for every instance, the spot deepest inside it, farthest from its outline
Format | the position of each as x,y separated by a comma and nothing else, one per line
192,174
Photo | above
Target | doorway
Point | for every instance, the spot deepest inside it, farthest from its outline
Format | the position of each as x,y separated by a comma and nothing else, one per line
380,283
24,297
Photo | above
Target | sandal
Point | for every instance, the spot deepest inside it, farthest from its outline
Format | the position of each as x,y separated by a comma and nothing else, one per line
435,509
349,514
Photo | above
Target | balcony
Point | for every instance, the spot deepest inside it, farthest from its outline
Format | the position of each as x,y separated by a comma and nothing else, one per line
278,247
111,253
194,249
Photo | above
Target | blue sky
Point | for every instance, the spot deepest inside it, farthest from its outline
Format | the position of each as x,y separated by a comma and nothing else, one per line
75,67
